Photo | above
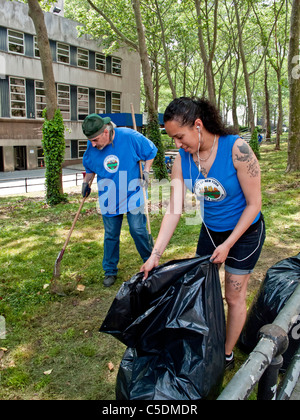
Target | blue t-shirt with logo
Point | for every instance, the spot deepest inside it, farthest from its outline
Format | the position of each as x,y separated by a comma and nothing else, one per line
220,193
117,169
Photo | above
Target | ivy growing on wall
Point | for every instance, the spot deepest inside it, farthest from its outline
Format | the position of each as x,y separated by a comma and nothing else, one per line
54,149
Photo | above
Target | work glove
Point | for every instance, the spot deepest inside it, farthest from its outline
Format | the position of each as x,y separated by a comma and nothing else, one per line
145,180
85,189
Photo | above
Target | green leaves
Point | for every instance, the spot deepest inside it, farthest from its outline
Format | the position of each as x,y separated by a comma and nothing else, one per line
153,133
254,143
54,149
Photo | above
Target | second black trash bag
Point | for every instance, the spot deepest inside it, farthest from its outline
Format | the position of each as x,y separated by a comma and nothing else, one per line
278,286
174,326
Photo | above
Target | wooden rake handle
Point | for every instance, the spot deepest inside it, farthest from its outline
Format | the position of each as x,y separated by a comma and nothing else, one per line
76,216
141,174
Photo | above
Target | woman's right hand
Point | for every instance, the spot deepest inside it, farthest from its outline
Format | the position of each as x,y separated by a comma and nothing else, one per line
152,262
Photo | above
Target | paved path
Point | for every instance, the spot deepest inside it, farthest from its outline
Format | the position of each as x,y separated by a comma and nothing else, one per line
38,172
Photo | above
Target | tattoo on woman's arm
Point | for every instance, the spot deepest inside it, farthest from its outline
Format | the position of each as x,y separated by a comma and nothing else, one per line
253,169
247,155
156,252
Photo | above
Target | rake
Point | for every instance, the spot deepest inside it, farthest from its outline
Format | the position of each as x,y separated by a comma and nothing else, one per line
56,271
150,237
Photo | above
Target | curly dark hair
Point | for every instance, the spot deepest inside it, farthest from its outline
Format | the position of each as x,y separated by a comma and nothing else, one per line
186,110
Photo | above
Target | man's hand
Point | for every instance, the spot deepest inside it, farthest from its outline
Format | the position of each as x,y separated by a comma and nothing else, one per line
85,189
145,180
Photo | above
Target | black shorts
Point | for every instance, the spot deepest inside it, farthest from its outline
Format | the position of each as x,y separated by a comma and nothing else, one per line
244,254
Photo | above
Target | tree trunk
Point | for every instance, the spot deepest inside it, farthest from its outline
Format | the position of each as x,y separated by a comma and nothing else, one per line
208,57
267,106
159,162
156,84
246,74
293,163
153,124
234,109
234,95
146,68
36,14
165,51
280,112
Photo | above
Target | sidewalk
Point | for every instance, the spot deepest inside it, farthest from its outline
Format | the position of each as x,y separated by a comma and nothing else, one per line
38,172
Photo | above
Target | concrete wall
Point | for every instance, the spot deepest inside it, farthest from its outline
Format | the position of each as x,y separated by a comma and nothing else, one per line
8,158
27,132
14,15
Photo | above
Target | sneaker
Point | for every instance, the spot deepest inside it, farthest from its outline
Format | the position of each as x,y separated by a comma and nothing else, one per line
229,361
109,280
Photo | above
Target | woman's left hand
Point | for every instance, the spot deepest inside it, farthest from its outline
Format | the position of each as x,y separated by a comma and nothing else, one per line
220,254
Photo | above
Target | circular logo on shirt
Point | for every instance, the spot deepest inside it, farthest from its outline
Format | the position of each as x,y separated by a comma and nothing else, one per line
111,163
210,188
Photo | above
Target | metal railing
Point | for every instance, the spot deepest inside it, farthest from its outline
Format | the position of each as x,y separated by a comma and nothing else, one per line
30,184
263,364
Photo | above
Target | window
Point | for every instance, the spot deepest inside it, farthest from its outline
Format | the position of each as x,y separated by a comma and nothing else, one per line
36,50
100,62
116,64
82,58
78,147
115,102
100,102
40,99
63,100
82,102
15,42
17,97
63,53
40,157
82,145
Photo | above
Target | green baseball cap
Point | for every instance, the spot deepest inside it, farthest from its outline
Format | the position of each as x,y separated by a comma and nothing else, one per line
93,124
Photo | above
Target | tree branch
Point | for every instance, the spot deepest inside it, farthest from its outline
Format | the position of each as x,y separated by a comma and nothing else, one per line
120,34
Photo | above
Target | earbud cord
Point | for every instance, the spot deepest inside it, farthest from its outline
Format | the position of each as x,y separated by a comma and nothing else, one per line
199,165
233,258
193,191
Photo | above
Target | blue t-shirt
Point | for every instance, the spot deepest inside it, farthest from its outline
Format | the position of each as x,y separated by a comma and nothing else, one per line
221,193
117,169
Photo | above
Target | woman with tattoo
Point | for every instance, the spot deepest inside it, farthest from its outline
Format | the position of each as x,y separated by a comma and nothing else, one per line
223,172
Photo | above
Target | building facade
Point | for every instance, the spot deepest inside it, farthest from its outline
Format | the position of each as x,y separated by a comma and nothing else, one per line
86,79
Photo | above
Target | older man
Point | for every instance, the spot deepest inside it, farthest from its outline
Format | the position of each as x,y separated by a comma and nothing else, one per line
114,155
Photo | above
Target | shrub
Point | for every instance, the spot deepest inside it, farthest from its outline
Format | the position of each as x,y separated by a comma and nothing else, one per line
153,133
254,143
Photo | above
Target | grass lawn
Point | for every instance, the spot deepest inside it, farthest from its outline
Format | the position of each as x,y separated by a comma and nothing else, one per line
53,349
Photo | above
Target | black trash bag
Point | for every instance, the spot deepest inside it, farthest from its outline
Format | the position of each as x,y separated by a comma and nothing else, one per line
278,286
174,326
